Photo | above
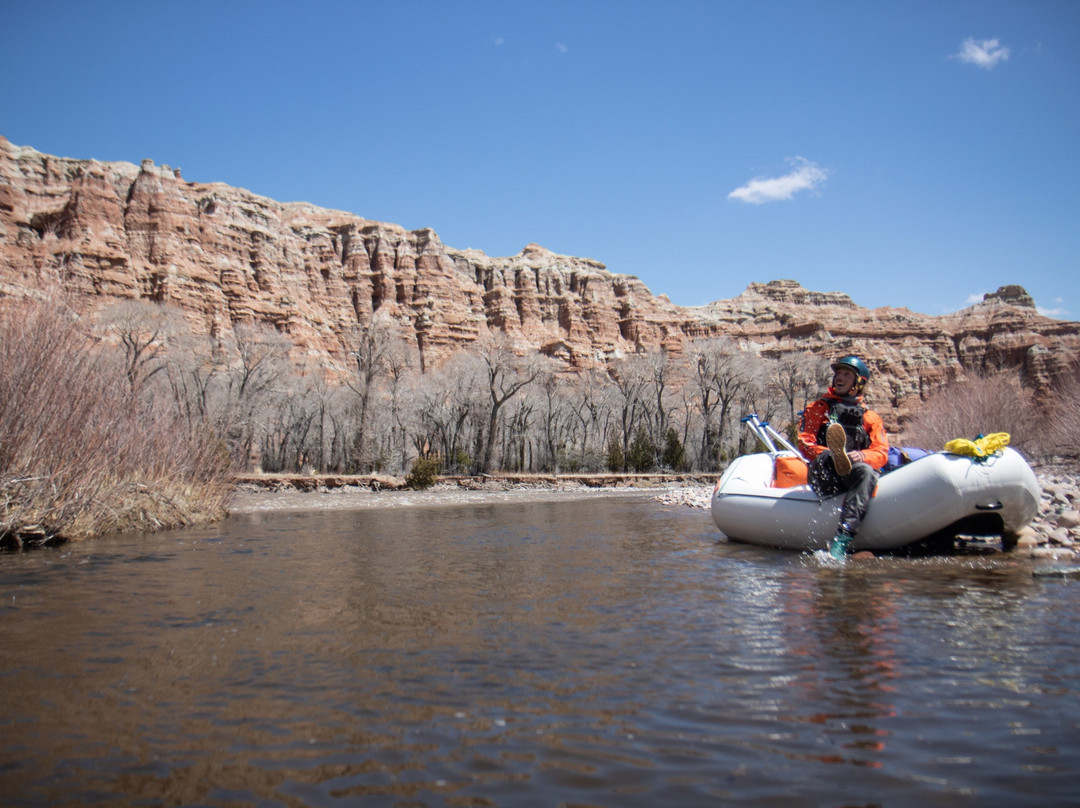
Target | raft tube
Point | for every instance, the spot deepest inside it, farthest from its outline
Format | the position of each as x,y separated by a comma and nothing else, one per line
911,503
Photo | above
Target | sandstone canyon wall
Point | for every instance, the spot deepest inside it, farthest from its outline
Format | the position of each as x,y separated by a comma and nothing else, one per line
225,256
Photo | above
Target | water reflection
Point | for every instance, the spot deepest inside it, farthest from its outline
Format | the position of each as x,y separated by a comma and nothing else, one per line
843,629
597,651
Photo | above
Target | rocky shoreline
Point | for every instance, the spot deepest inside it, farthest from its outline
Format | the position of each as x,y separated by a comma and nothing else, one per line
1054,533
1056,529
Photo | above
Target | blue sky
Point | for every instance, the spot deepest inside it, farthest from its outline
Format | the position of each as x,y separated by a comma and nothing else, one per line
910,154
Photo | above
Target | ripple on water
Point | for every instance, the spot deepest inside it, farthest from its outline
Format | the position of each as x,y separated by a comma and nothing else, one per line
594,651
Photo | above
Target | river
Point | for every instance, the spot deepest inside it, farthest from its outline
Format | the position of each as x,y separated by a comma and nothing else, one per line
600,650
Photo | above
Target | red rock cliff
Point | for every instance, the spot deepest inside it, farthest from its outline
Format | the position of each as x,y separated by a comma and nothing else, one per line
224,256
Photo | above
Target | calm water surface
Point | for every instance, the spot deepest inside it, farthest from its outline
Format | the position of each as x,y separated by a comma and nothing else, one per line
606,651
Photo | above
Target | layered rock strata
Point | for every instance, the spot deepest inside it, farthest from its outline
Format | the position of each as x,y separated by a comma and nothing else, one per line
225,256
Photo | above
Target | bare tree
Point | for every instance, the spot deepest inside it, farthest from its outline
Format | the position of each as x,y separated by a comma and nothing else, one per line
517,433
327,407
630,381
797,377
557,419
684,413
288,425
76,458
757,395
144,330
260,362
193,369
400,362
370,348
262,352
506,376
589,398
721,372
447,402
662,374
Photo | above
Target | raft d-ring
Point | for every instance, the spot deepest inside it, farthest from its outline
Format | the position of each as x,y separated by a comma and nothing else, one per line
990,506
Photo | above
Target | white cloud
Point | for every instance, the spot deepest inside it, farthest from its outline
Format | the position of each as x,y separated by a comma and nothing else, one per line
984,53
806,176
978,297
560,47
1057,311
499,41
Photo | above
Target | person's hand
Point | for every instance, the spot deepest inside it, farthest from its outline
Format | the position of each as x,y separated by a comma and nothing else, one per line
855,457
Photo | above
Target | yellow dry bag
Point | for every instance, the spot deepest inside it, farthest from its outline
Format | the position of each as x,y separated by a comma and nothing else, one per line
982,447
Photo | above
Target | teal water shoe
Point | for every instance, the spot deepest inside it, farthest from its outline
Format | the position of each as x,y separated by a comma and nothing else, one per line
838,548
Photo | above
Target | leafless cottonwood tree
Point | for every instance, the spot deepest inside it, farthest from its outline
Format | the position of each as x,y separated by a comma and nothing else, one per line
588,398
557,422
447,403
686,406
193,371
630,391
325,399
372,349
721,371
757,395
288,423
518,437
798,377
144,331
506,375
662,374
258,363
401,362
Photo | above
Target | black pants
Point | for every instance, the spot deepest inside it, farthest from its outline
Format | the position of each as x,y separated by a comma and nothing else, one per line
858,487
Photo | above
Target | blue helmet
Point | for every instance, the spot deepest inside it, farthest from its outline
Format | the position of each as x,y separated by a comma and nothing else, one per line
856,365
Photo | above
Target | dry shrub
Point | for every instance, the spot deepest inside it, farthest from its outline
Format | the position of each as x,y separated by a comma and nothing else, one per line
978,405
1061,436
79,455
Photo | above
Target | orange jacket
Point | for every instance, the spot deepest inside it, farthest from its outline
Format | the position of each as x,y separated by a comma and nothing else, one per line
876,454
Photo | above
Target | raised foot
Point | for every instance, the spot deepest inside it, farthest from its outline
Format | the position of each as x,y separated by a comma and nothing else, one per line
836,439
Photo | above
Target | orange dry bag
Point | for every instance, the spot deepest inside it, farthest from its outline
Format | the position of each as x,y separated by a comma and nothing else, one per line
789,471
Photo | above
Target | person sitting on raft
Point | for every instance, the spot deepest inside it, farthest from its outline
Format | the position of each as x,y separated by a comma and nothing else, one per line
846,445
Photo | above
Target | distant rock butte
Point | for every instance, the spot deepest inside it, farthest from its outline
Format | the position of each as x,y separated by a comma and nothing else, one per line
224,256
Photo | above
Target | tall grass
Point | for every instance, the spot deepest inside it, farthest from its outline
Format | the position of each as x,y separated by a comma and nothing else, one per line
79,454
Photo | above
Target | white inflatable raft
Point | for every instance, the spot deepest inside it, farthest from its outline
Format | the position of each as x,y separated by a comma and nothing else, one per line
939,492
